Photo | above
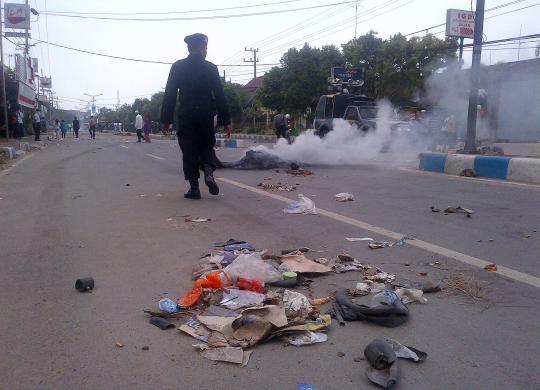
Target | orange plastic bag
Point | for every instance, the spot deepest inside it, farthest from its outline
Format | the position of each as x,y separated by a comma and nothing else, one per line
216,279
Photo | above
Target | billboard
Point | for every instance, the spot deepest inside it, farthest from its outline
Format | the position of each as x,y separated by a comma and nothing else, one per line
45,82
459,23
346,75
27,95
17,16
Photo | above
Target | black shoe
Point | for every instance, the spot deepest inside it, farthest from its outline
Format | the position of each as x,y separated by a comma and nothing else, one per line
210,181
194,192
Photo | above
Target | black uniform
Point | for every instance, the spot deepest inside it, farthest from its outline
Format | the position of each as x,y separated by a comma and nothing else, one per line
201,96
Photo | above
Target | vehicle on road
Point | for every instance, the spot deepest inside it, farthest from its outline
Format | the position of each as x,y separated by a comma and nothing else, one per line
333,106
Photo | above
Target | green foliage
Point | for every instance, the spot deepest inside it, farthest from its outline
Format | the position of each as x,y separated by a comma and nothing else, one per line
302,76
236,99
397,67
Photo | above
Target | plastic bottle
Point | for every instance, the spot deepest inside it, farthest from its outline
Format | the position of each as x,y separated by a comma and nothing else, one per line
250,284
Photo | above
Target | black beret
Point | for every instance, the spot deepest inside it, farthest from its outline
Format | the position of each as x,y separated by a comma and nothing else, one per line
196,39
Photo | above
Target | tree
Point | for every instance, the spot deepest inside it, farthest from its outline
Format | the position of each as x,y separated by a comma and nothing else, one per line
301,78
152,107
236,99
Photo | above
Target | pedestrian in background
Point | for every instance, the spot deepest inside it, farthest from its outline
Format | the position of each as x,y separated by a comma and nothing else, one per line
147,126
198,85
92,127
37,126
76,127
63,128
20,123
139,126
56,128
12,123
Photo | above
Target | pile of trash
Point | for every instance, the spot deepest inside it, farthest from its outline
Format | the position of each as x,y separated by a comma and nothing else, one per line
242,297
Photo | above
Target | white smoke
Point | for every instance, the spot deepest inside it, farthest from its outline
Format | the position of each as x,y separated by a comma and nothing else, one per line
345,144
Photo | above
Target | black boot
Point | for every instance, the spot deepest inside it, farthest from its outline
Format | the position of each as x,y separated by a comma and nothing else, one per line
209,180
193,192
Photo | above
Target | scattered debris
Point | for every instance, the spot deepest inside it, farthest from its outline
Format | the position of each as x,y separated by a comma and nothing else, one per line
344,197
341,354
303,206
410,295
161,323
84,284
320,301
299,172
119,344
197,220
384,244
468,172
458,209
491,267
145,348
278,186
354,239
467,287
307,338
435,209
127,185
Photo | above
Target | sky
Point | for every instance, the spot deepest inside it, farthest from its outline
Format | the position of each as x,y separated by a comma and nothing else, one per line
75,74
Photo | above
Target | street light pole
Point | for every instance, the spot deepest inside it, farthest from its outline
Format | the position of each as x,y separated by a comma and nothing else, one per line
3,75
470,141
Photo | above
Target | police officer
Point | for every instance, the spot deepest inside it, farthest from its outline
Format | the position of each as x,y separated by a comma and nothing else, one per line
201,95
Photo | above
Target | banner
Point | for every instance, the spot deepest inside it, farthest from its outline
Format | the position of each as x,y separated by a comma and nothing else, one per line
27,95
17,16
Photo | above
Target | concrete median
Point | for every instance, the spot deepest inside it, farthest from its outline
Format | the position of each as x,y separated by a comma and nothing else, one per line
495,167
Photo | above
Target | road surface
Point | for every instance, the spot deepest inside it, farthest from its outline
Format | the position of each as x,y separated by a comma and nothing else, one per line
110,209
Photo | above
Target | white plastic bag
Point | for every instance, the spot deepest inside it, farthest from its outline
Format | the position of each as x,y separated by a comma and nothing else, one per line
305,338
252,266
344,197
304,205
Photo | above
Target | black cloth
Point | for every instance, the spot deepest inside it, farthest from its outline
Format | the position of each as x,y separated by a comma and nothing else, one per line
92,130
139,135
198,86
76,124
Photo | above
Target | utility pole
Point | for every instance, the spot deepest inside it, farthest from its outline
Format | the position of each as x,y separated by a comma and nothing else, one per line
519,42
470,142
93,108
3,76
355,18
254,60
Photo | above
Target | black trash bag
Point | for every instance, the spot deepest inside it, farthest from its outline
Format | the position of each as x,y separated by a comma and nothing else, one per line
256,159
384,315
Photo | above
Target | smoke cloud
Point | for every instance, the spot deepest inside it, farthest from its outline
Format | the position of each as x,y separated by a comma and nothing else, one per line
346,144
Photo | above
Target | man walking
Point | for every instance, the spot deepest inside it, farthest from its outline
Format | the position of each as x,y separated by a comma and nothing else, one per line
92,127
139,126
37,125
201,95
20,123
76,127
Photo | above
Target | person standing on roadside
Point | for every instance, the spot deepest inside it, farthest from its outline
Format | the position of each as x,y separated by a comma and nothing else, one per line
56,128
92,127
139,126
147,126
20,123
37,125
12,123
76,127
63,128
198,85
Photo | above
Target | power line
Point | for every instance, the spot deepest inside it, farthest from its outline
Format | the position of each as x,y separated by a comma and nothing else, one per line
118,57
171,12
201,17
488,10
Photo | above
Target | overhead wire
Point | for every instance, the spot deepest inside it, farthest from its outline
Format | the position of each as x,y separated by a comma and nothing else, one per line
208,17
175,12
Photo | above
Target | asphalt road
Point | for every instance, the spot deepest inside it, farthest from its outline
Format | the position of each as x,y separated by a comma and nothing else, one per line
68,212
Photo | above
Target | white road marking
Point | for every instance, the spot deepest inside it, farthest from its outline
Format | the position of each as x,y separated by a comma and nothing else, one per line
7,170
156,157
474,179
470,260
123,146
